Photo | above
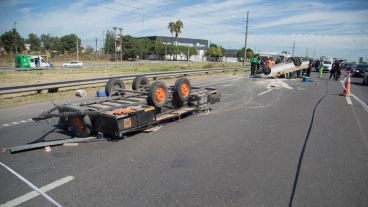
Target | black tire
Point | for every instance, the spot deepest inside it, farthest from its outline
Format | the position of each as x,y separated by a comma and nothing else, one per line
112,85
266,70
154,88
296,61
81,126
139,82
214,98
178,93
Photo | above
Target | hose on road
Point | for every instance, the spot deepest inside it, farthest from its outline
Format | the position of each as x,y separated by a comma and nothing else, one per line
304,146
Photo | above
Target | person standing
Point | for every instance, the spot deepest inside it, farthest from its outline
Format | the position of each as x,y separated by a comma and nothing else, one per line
309,68
320,69
333,71
253,65
337,69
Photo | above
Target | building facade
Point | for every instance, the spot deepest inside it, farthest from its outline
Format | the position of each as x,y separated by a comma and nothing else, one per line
200,44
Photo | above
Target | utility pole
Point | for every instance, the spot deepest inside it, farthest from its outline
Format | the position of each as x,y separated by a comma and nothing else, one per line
77,50
114,28
188,53
103,41
15,38
306,53
292,55
121,45
96,49
245,40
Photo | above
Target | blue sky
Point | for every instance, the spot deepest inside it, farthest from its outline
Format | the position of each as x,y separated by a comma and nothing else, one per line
332,28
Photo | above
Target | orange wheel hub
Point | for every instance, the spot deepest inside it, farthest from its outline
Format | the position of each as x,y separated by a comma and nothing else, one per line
160,94
184,90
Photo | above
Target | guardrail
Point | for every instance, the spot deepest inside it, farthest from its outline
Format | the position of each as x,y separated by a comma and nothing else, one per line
54,86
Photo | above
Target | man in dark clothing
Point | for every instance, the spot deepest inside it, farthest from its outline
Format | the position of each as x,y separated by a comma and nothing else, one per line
309,68
336,67
253,65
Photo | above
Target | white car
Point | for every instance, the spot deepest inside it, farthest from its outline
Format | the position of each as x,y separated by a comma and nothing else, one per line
327,66
73,64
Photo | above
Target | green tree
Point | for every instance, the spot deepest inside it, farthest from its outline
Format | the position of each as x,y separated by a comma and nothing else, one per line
35,42
250,53
12,41
109,42
69,43
215,52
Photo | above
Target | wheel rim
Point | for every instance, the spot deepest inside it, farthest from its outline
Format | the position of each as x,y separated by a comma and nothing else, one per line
160,94
184,90
116,87
78,124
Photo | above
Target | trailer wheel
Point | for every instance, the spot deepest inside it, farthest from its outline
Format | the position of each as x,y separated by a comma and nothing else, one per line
113,85
81,126
266,70
139,82
157,94
181,94
214,97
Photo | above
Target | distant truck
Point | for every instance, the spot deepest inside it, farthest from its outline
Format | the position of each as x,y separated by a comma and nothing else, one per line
327,63
31,61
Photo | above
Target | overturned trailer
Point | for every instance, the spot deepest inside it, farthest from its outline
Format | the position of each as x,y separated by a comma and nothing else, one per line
125,111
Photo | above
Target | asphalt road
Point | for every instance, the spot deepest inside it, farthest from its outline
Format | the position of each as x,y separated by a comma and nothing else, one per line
245,152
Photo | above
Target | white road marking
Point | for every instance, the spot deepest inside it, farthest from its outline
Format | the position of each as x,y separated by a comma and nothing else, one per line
264,92
348,99
34,194
364,105
16,123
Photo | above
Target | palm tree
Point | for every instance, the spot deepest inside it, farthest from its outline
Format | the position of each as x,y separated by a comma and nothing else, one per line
176,27
171,26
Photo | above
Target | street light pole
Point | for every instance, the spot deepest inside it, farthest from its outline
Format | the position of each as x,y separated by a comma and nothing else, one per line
121,45
114,43
245,40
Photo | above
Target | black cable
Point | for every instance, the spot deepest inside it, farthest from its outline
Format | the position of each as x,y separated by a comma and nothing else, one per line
303,149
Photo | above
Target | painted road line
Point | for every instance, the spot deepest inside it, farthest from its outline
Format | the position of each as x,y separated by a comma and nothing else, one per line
14,123
348,99
364,105
34,194
264,92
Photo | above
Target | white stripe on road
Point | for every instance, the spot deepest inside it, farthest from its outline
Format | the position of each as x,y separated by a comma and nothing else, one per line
364,105
348,99
34,194
16,123
264,92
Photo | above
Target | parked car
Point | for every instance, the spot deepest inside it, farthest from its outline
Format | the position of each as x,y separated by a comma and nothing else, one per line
349,66
360,70
365,78
73,64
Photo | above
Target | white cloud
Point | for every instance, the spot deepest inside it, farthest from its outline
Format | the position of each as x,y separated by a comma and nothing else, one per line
322,26
25,10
